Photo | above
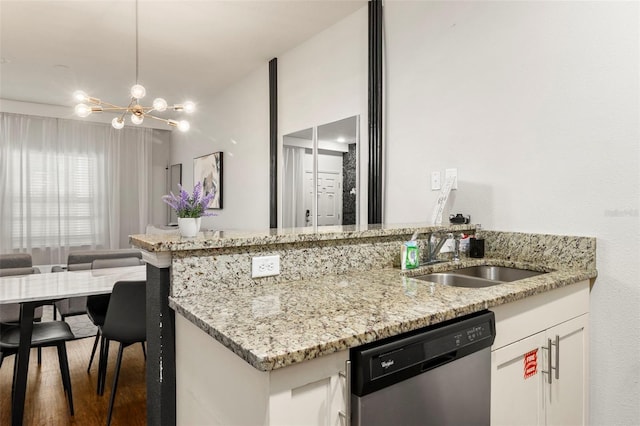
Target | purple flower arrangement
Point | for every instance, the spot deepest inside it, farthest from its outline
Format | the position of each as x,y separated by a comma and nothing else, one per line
188,205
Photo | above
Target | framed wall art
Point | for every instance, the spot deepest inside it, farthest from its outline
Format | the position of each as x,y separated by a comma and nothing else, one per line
208,170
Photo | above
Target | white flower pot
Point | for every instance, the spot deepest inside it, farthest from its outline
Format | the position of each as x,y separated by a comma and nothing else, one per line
189,226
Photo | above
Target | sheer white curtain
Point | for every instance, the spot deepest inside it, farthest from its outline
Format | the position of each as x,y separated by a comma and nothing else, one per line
127,186
293,212
68,184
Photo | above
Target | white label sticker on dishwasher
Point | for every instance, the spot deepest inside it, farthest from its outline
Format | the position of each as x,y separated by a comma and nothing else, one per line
530,363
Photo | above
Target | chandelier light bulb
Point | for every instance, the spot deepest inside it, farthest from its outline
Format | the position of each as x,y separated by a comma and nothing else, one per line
80,96
136,119
85,104
88,105
189,107
159,104
83,110
183,125
138,91
117,123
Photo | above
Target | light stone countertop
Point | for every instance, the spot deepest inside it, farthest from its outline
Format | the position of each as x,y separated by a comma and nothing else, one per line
278,324
60,285
219,239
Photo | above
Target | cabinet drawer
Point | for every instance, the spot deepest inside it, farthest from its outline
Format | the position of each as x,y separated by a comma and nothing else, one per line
517,320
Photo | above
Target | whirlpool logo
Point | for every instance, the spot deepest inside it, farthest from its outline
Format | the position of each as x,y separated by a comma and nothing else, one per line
387,364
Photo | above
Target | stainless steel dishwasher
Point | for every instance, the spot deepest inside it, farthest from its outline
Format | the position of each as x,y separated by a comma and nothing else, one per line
438,375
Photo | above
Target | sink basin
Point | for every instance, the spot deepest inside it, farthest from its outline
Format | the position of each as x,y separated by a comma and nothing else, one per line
455,280
479,276
497,273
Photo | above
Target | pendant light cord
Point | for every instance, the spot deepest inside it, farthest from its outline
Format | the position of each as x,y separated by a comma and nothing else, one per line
137,41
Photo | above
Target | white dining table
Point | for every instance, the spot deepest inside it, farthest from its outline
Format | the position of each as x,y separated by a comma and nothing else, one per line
36,290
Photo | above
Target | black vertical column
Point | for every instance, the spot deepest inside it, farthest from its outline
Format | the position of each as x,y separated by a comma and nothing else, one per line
161,350
375,111
273,143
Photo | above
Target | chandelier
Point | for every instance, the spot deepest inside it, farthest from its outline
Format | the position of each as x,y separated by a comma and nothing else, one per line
89,104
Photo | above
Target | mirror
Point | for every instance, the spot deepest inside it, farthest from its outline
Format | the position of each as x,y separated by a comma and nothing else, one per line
297,203
320,178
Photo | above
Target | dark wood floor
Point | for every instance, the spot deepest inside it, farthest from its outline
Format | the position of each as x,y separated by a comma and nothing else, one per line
46,403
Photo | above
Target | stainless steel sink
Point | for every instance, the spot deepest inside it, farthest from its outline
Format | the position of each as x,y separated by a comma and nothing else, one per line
497,273
478,276
455,280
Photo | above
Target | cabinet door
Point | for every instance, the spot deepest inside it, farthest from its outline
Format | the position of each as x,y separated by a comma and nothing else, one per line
516,383
305,405
567,396
309,393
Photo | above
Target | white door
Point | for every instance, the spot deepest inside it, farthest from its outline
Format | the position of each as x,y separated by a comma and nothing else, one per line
517,381
566,398
329,198
308,197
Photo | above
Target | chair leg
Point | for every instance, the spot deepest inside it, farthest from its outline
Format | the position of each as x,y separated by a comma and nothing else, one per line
1,359
64,371
144,350
93,351
104,358
39,355
100,364
62,367
115,383
15,376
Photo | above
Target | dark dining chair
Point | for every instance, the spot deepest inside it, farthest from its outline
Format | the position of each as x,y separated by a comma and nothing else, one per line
97,305
17,265
125,323
10,312
15,260
45,334
82,260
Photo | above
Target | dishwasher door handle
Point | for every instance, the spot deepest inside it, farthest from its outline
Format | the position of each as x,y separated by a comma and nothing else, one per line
346,374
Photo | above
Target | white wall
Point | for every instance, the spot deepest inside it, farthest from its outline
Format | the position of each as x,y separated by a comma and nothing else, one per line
537,105
319,81
325,80
236,122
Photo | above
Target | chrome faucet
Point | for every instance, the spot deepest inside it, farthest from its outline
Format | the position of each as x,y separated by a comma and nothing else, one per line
432,251
456,247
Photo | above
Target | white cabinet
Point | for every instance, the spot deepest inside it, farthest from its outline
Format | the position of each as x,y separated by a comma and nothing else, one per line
523,392
215,387
310,393
566,396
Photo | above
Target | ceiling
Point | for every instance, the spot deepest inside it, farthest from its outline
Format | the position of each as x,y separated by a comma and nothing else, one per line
187,49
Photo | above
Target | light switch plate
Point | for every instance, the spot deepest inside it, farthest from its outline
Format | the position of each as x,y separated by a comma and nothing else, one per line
265,266
435,181
452,173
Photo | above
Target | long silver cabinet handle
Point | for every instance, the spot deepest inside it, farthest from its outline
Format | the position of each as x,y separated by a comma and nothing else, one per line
557,357
549,366
346,414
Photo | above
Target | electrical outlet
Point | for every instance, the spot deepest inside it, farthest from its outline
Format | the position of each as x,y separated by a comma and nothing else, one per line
454,174
265,266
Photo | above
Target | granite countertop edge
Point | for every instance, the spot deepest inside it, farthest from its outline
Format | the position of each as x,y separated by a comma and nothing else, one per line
467,301
221,239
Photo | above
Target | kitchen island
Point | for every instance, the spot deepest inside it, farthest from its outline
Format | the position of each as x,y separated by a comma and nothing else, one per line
269,350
